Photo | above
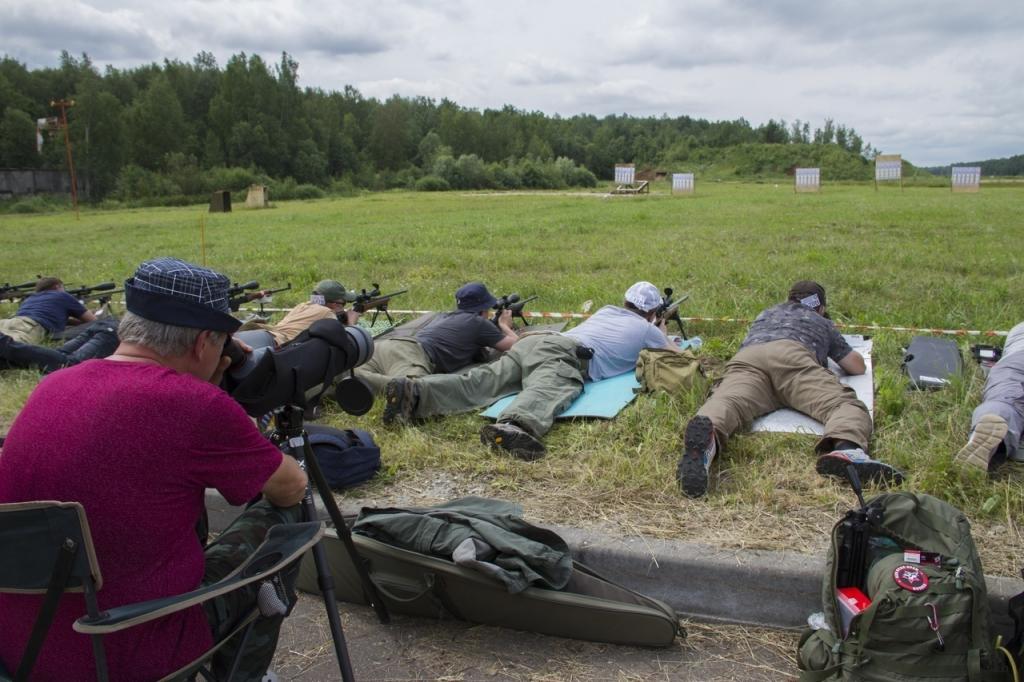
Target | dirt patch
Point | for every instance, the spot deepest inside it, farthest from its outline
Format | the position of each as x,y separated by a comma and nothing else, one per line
425,649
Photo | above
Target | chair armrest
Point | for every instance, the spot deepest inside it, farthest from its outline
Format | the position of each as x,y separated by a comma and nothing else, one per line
284,544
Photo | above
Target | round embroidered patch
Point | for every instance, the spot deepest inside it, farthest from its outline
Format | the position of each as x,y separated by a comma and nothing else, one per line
910,578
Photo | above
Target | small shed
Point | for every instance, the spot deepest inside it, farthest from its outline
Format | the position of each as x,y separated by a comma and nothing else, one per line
220,201
258,197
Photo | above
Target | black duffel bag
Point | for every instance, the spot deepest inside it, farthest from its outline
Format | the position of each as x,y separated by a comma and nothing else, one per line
347,457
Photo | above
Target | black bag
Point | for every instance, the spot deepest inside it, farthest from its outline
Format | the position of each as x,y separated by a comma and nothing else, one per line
932,363
347,457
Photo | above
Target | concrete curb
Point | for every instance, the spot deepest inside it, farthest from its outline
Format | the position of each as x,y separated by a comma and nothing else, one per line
752,587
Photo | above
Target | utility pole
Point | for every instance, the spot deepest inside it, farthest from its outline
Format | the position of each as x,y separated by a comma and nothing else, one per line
64,105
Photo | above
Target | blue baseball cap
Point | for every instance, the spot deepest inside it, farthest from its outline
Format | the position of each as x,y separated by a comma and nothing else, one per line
179,293
474,298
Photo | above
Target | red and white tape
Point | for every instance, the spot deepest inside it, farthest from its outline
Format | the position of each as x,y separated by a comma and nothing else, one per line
736,320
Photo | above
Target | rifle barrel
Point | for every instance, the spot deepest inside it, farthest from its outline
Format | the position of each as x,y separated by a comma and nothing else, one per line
377,300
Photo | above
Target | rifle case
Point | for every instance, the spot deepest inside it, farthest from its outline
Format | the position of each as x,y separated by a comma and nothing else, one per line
589,608
932,362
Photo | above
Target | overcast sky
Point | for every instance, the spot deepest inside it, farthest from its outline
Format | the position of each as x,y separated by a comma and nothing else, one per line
936,80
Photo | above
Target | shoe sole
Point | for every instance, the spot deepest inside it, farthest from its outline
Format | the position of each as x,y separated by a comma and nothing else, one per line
394,397
988,434
691,472
519,445
876,473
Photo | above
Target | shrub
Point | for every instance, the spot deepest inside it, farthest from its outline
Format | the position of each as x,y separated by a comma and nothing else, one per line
135,182
289,189
432,183
39,203
343,187
234,179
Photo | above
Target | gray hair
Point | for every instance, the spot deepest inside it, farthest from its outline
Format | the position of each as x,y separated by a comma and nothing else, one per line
167,340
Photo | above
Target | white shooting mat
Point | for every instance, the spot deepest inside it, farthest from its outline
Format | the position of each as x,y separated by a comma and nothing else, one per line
791,421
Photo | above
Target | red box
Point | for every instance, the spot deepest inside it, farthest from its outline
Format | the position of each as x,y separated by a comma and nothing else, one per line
851,602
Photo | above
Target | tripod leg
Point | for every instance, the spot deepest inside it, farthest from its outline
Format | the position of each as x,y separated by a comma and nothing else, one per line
314,471
325,581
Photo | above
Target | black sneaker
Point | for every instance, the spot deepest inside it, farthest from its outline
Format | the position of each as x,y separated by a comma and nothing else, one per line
868,470
692,471
512,439
400,398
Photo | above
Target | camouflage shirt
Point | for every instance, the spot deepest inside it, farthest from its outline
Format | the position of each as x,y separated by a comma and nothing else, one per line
793,322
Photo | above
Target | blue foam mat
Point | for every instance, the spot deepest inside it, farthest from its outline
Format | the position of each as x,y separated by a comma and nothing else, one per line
602,399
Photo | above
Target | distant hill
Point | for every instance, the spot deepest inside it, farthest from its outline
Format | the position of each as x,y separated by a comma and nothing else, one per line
772,161
1011,165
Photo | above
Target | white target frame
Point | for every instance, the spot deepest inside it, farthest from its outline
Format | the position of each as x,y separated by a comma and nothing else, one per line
807,180
965,178
683,183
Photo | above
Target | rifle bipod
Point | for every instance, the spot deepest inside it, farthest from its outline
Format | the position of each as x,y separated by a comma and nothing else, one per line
290,436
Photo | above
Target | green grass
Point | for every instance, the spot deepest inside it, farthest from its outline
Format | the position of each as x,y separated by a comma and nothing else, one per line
919,257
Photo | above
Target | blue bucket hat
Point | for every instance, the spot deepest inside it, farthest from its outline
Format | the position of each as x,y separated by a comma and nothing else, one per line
179,293
474,298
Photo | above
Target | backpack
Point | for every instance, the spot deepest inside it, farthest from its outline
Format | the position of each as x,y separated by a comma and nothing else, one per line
928,617
347,457
661,369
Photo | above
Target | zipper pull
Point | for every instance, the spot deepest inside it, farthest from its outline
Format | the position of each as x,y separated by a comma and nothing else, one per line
959,576
933,623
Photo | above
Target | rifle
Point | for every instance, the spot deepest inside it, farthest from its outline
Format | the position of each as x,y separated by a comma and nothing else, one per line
82,293
373,299
236,288
513,303
103,296
263,296
14,291
669,310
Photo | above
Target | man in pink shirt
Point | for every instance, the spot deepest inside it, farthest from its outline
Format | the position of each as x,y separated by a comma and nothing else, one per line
136,439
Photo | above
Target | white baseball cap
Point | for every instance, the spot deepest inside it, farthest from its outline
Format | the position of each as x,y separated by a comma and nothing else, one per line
644,295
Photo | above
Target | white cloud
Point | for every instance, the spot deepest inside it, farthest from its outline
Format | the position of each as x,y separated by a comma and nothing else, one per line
938,82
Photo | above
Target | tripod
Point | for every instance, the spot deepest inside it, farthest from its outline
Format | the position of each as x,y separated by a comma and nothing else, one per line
290,436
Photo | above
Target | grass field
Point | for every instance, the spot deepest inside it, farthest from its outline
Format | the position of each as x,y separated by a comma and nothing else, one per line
921,257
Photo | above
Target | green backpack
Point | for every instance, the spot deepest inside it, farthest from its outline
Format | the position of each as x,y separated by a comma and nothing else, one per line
928,617
661,369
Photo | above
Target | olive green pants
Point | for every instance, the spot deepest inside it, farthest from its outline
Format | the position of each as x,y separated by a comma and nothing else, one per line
394,358
762,378
543,368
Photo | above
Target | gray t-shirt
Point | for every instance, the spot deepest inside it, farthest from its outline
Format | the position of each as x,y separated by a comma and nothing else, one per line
453,340
793,322
617,336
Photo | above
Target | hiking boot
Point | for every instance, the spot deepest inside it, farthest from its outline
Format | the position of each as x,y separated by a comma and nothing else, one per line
400,398
699,449
869,470
512,439
987,436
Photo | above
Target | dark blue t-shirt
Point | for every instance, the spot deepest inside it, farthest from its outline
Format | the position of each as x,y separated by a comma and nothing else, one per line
453,340
51,309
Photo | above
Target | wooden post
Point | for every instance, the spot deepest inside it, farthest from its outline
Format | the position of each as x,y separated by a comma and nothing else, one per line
63,105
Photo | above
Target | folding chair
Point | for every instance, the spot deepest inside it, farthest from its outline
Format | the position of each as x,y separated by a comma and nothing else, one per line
46,548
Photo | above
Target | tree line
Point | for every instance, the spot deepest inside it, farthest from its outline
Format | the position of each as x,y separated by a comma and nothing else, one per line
182,128
1011,165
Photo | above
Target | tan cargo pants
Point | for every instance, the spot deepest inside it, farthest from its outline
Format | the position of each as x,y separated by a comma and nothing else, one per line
23,330
762,378
394,358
